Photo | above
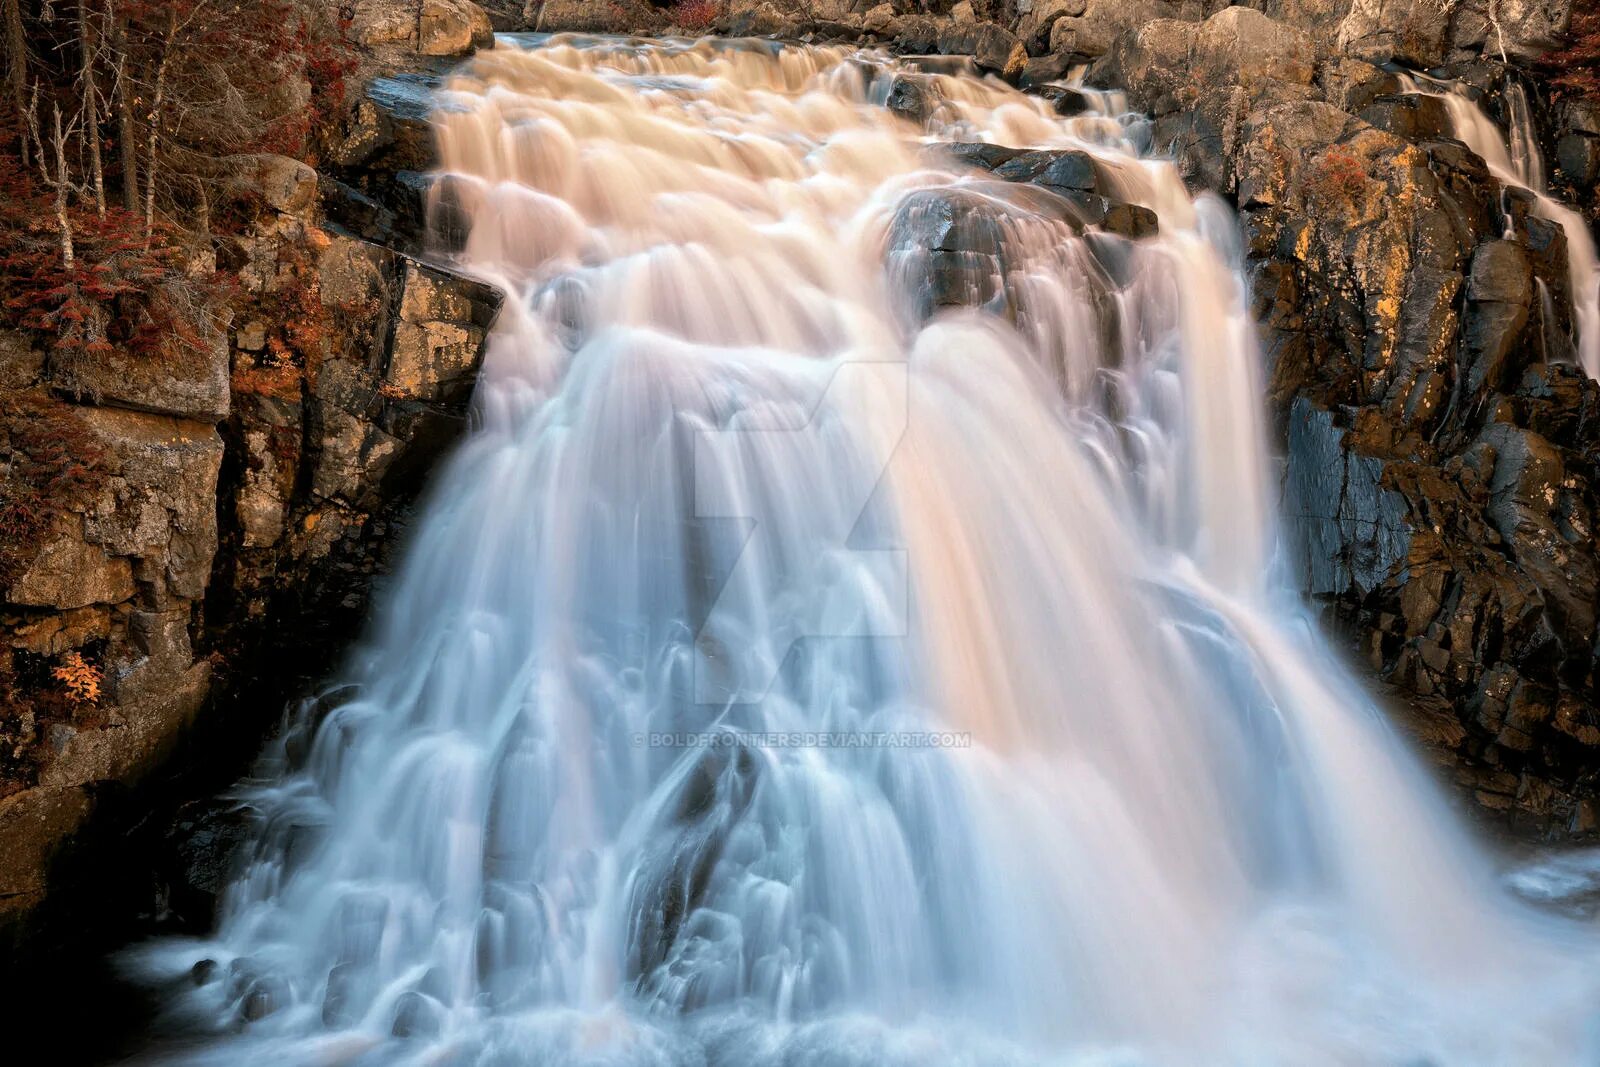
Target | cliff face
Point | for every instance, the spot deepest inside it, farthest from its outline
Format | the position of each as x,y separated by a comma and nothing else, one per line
192,536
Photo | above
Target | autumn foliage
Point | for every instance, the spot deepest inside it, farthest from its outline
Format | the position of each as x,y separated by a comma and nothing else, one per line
79,678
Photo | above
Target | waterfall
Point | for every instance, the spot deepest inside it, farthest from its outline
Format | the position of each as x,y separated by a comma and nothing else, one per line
1514,159
852,635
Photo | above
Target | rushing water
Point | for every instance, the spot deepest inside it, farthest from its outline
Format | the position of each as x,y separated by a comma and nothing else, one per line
1513,157
1042,762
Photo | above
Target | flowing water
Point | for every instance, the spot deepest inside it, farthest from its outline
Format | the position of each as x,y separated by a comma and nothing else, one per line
1514,158
797,668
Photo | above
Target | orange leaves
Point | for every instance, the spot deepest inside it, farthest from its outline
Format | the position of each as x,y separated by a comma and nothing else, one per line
80,678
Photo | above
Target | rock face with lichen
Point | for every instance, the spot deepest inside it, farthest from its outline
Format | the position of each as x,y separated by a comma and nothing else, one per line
203,525
1441,450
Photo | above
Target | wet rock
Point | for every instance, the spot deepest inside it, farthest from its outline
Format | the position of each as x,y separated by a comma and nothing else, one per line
1131,221
1062,170
1346,530
909,99
417,1015
972,154
205,972
1066,101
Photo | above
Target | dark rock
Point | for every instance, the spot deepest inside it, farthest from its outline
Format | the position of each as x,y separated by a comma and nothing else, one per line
1065,100
1501,272
910,99
1346,530
1412,116
973,153
991,47
205,972
1578,159
1063,170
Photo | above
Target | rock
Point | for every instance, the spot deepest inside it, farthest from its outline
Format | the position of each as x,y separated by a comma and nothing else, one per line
909,99
1501,272
33,823
192,385
438,340
1090,33
1151,64
71,573
1240,46
354,457
1403,31
1521,29
1578,159
423,27
761,20
990,47
1352,84
1412,116
285,185
159,506
452,28
1033,29
1344,529
881,20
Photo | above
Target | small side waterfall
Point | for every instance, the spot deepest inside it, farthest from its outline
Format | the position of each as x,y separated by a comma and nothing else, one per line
853,636
1514,158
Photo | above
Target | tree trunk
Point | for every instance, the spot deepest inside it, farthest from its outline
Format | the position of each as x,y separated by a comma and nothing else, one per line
62,220
17,64
127,129
89,44
155,128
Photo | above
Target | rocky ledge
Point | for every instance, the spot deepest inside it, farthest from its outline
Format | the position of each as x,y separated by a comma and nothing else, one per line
209,529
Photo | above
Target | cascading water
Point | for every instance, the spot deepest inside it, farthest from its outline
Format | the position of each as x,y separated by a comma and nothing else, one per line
1514,158
1037,762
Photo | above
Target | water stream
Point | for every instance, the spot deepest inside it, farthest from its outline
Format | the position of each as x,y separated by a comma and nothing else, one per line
796,667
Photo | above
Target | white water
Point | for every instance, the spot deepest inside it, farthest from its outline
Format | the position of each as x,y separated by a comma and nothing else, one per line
717,432
1514,158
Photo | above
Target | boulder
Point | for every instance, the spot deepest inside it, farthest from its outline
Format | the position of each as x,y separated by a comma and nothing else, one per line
1413,32
422,27
285,185
1240,46
1090,33
990,47
452,28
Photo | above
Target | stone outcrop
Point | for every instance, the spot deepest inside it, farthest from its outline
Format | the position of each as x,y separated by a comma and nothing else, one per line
235,501
1441,457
